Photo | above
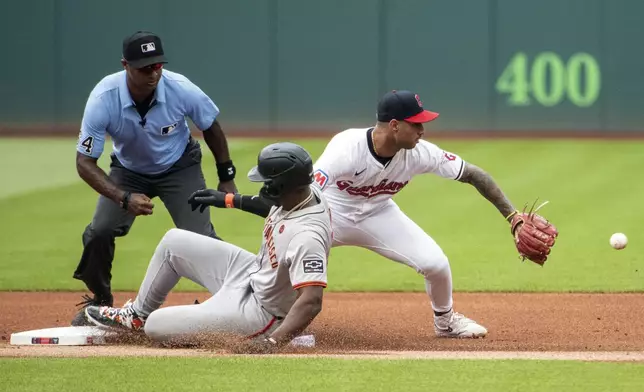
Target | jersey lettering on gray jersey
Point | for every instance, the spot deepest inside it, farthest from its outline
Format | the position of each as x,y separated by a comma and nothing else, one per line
294,254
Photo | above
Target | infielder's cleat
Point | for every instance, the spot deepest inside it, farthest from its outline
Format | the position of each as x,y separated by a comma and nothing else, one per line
125,317
455,325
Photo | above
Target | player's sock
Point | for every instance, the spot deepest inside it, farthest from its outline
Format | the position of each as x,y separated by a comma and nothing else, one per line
438,286
438,314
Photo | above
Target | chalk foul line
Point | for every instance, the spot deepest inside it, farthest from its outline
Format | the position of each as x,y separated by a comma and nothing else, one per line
134,351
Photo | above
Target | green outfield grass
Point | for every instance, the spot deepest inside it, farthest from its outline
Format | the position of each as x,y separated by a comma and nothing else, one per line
594,189
265,374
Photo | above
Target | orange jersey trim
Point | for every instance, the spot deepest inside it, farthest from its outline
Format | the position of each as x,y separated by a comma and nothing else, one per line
299,286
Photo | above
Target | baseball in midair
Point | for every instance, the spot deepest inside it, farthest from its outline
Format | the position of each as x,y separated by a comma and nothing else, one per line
618,241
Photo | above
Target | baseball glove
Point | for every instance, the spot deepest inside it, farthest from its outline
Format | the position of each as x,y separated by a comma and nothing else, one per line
534,236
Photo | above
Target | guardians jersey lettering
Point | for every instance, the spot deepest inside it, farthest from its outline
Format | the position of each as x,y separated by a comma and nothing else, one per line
385,187
356,182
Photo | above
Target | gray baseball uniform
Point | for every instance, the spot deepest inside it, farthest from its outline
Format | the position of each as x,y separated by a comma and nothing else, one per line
251,293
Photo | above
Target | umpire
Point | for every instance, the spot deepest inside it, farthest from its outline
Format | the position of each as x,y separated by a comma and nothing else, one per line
143,108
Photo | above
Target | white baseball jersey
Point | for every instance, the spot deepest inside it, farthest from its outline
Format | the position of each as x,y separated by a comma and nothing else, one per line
356,184
293,254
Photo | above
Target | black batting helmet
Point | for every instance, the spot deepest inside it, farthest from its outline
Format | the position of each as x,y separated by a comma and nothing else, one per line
281,167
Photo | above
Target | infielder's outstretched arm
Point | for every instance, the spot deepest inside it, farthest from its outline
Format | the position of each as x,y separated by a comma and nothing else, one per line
307,306
433,159
487,187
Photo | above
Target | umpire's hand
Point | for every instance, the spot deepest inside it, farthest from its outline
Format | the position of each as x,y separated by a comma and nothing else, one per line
138,204
227,186
207,197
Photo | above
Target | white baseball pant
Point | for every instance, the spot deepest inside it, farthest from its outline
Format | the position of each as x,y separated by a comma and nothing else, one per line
392,234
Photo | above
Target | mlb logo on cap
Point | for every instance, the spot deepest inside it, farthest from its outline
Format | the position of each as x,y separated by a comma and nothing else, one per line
143,48
149,47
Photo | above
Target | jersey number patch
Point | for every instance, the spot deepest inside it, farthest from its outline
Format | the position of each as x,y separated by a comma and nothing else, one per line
449,157
88,143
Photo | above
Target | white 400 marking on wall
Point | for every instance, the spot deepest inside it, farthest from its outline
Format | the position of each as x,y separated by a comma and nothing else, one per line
549,80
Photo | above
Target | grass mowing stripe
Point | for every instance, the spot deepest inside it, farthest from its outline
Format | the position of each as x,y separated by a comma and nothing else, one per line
590,186
260,373
23,173
55,165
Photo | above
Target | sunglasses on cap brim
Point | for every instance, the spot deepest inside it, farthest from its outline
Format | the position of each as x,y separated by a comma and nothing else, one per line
151,67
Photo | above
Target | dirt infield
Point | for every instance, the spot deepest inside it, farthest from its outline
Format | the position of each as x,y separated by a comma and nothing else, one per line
391,324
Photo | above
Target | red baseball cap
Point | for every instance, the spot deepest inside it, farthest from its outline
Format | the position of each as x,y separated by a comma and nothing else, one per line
403,105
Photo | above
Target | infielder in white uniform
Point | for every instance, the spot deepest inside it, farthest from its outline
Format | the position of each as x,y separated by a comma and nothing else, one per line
362,168
275,294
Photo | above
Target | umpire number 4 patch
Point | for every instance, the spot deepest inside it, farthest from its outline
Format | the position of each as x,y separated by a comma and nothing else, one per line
313,266
88,144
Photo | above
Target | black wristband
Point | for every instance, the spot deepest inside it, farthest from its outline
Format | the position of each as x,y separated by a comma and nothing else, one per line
125,200
226,171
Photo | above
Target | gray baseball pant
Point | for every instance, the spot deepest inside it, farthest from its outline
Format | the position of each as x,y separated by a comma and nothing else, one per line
173,187
220,267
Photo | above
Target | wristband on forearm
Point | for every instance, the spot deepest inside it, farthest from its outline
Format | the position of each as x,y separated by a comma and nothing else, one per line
226,171
125,200
252,204
229,200
233,200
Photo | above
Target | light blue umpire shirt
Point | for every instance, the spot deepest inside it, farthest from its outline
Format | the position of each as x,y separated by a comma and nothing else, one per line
156,145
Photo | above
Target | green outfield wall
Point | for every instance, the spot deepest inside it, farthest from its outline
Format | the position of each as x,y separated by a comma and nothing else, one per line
499,65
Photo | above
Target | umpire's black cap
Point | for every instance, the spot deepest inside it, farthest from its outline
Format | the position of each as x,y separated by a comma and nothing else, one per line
143,48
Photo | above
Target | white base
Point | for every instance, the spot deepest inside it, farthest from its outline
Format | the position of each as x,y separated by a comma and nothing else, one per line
303,341
88,335
61,336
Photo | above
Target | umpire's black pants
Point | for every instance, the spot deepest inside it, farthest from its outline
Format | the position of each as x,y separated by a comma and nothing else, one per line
173,187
